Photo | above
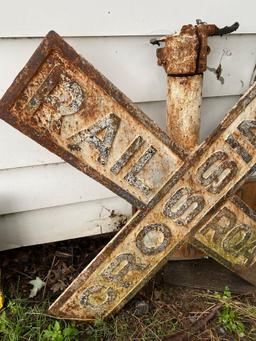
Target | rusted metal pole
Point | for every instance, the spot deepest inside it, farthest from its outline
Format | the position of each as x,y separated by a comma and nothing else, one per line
184,60
184,96
184,99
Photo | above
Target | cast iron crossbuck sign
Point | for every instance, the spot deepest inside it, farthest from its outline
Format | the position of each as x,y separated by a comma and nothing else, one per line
62,102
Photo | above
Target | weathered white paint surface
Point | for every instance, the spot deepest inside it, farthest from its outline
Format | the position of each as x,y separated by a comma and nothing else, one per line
29,188
44,199
62,222
30,18
130,63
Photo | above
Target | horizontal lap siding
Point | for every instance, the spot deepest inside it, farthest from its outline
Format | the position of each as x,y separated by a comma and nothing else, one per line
131,64
30,188
44,199
31,18
62,222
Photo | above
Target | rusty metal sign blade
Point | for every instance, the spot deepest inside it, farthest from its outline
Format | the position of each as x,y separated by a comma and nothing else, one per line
230,238
67,106
197,190
62,102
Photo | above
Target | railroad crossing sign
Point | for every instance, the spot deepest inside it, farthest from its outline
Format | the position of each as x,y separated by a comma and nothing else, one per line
62,102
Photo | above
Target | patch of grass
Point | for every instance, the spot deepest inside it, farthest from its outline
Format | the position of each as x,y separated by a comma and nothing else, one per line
127,326
169,311
23,320
100,330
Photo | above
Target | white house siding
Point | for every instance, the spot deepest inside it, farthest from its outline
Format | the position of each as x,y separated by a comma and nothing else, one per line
43,199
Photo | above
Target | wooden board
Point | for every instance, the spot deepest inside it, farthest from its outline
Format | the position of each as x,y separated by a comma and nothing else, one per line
248,192
203,274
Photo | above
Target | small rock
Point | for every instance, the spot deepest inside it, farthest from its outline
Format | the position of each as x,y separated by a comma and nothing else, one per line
192,319
222,331
141,308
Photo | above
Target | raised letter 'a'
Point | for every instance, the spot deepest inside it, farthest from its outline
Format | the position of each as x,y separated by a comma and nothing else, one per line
109,125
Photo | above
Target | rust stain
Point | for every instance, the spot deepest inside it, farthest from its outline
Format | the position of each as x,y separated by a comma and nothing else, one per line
217,72
186,53
204,31
179,56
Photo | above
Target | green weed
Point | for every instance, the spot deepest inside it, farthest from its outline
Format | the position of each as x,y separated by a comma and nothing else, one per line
55,332
229,319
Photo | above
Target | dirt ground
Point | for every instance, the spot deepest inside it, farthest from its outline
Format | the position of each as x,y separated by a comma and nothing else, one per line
157,312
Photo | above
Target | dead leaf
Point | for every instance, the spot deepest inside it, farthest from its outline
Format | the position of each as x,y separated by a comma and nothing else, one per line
38,284
59,286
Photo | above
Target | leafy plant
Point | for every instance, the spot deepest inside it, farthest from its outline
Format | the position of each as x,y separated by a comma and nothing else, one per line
55,332
229,317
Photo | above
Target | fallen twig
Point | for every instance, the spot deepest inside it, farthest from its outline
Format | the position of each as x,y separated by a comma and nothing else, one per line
48,276
195,326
